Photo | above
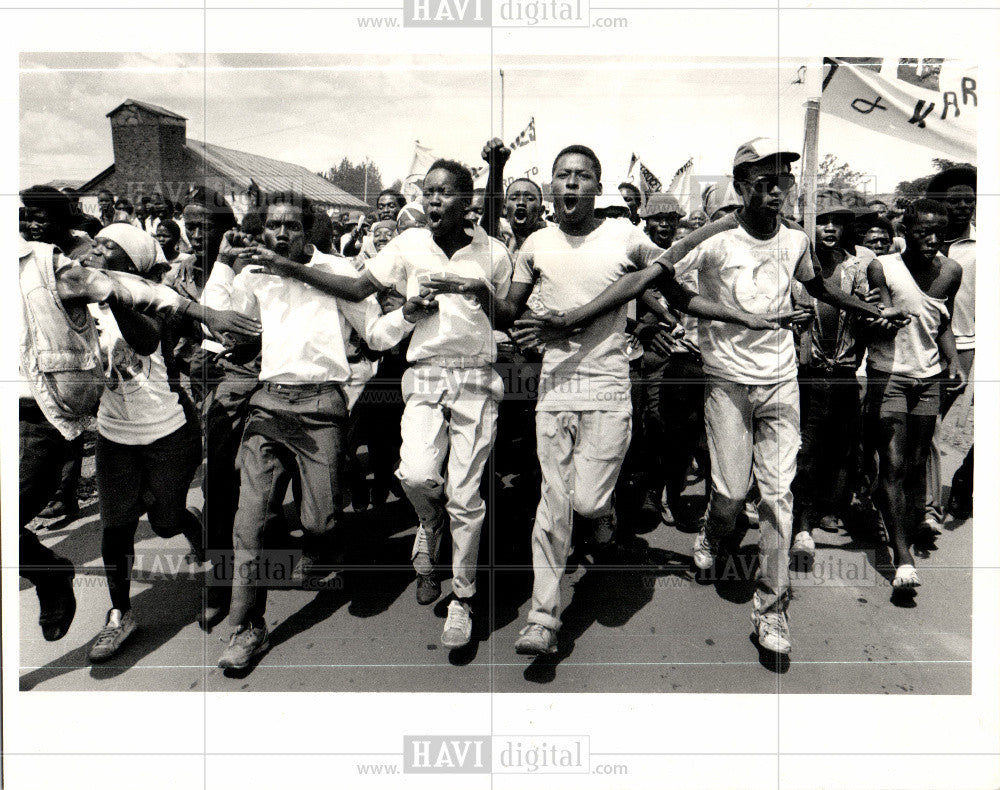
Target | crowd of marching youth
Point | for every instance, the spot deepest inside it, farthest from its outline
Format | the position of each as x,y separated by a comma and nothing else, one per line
725,342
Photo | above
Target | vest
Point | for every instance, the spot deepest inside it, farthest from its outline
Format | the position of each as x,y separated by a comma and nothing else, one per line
60,356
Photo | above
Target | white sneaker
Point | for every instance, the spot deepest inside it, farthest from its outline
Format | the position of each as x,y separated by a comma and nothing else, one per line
704,551
804,546
772,631
458,626
536,640
118,628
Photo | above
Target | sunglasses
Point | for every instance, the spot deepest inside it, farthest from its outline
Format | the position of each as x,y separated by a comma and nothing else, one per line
764,184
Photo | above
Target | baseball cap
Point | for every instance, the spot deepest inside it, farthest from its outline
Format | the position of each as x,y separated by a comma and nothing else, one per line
720,195
761,148
660,203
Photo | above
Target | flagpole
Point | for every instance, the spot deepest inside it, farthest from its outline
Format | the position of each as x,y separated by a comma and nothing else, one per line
810,168
502,137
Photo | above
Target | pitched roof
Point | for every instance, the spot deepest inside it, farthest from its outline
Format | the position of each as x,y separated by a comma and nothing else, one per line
272,175
153,108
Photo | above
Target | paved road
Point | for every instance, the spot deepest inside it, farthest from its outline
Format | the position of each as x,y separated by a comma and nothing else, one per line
649,627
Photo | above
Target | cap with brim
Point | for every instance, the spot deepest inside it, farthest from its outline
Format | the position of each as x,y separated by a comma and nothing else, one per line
830,201
660,203
761,148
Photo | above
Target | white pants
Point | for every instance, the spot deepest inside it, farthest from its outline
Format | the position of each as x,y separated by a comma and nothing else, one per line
449,419
580,454
755,429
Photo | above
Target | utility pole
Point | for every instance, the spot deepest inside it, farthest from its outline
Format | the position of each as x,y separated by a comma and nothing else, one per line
501,106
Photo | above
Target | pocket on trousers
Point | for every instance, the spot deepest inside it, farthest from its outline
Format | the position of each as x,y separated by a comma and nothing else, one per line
610,436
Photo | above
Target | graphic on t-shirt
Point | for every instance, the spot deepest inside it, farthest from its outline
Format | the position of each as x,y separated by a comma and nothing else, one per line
128,371
758,286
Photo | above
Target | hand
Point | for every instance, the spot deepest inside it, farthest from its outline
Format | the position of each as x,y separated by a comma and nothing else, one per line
222,323
463,286
657,337
894,316
417,308
535,329
496,153
874,296
269,261
958,380
787,319
233,243
391,300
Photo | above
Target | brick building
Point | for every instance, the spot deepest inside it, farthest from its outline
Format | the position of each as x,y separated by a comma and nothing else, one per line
153,153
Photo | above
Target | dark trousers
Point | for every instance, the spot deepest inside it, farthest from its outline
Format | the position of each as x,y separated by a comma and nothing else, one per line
42,453
144,478
292,430
674,420
830,406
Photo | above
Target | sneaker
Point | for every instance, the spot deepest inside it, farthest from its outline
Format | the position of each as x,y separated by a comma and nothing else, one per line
650,507
306,569
705,550
110,639
772,631
536,640
56,602
428,588
66,510
458,627
931,526
604,529
245,643
804,546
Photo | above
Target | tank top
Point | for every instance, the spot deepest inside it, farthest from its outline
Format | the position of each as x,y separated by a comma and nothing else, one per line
913,352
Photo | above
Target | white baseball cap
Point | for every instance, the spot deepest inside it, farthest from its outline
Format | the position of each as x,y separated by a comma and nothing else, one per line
761,148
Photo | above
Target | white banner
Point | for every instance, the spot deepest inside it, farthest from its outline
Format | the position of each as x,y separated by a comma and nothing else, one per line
685,187
930,101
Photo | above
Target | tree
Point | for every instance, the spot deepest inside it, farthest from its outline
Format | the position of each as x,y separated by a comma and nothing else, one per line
352,177
918,186
835,175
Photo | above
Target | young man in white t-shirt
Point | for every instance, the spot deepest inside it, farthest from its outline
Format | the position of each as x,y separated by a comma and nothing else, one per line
746,261
450,391
584,412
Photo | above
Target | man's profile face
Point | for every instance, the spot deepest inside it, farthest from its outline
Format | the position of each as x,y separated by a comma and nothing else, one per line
961,202
925,234
523,206
444,205
105,200
661,228
388,207
574,187
284,231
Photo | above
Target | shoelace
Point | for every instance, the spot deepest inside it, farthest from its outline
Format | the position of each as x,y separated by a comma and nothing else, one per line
535,629
457,617
106,635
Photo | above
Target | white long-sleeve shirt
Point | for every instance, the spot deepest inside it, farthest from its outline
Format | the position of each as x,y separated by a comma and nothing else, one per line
305,331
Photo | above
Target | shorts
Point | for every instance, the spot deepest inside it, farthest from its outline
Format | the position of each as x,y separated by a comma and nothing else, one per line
889,393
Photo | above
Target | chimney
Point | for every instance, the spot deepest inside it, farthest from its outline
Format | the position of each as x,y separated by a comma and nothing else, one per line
148,143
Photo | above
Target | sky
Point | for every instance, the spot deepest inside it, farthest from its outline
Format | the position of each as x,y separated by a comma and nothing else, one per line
314,110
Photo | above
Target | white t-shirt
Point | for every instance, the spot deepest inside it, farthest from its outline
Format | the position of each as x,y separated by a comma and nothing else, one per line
137,406
459,334
588,371
746,273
